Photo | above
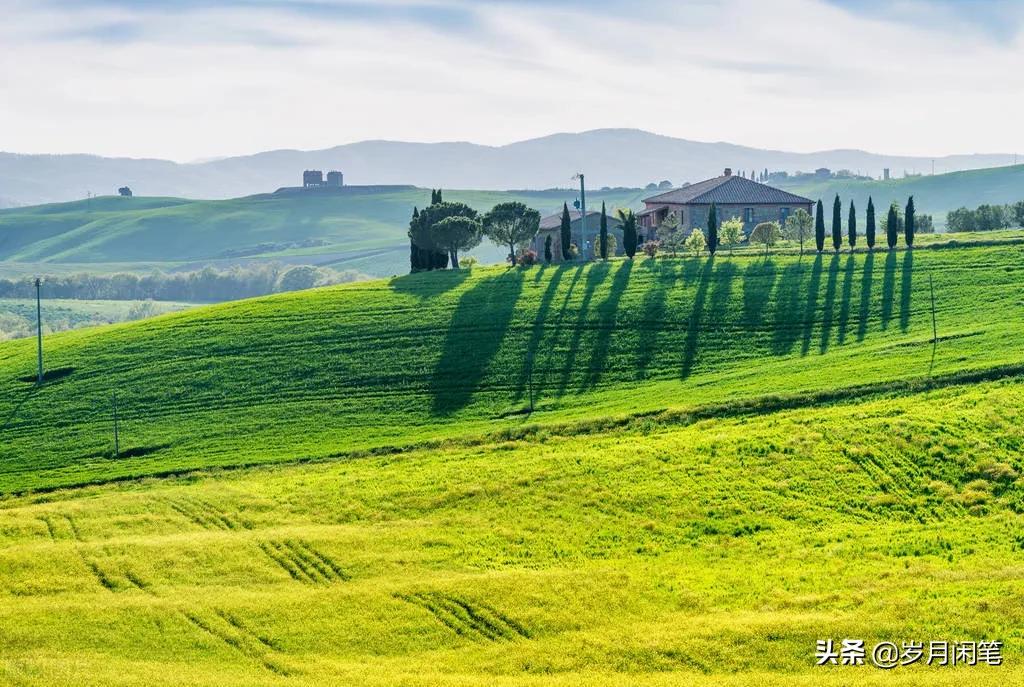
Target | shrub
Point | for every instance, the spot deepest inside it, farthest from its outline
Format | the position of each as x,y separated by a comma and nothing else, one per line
526,257
651,248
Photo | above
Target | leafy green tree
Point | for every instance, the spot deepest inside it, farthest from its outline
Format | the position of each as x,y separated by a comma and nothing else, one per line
566,233
547,250
851,227
603,234
1018,213
908,226
869,229
456,233
670,234
732,232
837,224
892,226
511,224
819,226
609,245
695,241
627,219
798,227
766,234
712,239
445,242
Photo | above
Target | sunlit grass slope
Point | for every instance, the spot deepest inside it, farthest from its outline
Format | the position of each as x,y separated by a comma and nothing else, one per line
452,356
666,553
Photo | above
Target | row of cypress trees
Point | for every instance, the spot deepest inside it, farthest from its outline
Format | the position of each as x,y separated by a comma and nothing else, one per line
892,225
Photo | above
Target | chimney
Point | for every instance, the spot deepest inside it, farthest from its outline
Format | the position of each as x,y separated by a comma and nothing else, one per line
728,171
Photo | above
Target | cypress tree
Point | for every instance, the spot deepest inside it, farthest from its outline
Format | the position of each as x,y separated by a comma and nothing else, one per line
439,198
908,227
819,226
892,226
852,226
433,196
566,232
415,261
869,231
837,223
712,237
604,233
547,249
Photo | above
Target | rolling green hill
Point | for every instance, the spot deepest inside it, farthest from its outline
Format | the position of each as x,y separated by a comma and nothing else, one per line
361,229
726,460
937,194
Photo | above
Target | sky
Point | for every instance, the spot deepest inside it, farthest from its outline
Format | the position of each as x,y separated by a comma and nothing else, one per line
190,79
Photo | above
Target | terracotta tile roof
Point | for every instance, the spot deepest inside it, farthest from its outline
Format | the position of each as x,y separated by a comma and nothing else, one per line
727,190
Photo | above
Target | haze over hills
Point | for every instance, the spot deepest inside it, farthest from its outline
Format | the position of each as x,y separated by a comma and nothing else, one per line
610,157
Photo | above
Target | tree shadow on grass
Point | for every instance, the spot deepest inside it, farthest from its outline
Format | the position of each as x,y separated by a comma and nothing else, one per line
604,328
847,295
758,282
652,318
864,312
828,312
786,319
29,393
693,325
475,333
595,275
888,288
429,284
540,322
811,305
906,289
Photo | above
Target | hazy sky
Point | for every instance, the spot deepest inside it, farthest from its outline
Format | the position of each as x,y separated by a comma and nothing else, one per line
184,79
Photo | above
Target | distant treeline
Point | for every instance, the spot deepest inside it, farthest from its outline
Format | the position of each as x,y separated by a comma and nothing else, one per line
208,285
986,217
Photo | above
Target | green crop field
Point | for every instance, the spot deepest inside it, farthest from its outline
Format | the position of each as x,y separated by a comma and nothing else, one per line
649,472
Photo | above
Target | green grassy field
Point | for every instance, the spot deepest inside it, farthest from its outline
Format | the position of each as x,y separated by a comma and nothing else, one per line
362,230
727,460
18,315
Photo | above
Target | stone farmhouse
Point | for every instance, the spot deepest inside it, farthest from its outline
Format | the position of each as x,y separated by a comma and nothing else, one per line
733,196
552,226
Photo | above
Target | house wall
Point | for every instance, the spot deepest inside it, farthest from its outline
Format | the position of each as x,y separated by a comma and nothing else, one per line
593,229
697,215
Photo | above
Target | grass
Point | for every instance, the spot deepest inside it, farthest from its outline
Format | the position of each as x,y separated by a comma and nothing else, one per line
18,315
360,229
726,461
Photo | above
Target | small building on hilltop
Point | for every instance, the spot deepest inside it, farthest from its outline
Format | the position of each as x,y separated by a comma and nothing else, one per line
733,196
552,226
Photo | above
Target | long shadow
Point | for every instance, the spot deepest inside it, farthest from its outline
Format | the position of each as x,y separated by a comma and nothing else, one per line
652,314
786,319
906,289
888,288
428,284
828,314
595,275
864,312
29,393
811,306
693,326
477,328
758,282
604,328
537,334
844,307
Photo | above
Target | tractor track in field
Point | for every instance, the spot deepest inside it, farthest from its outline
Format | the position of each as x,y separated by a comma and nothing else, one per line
205,514
471,619
228,630
303,562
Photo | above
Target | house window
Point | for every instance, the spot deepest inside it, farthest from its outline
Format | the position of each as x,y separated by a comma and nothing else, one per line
783,215
748,215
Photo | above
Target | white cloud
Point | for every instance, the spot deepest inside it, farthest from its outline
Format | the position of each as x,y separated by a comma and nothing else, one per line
791,74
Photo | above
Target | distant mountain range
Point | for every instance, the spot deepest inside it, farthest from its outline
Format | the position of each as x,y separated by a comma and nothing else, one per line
609,157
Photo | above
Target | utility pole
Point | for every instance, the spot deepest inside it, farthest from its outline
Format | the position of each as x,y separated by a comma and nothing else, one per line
39,327
583,215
